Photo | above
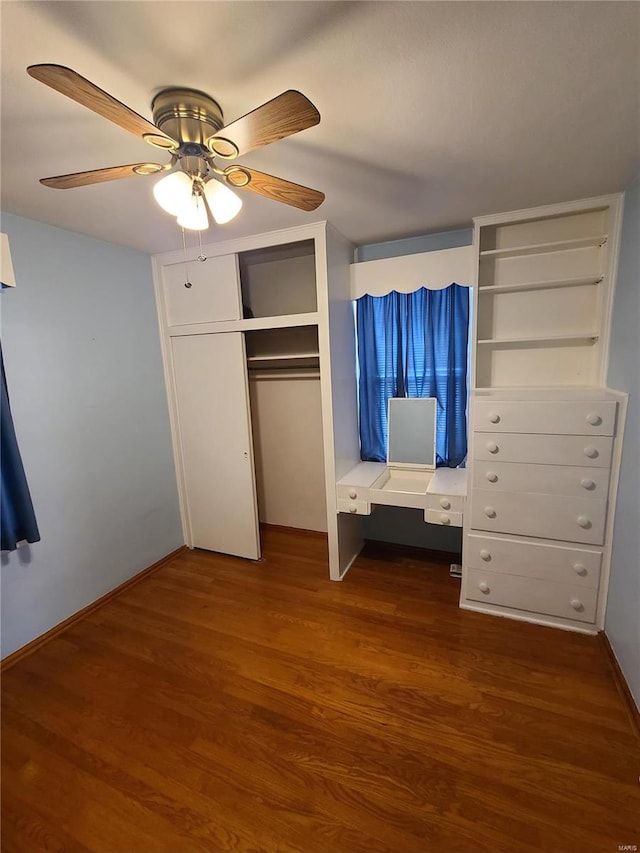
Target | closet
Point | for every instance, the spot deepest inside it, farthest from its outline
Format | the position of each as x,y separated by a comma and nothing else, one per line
249,359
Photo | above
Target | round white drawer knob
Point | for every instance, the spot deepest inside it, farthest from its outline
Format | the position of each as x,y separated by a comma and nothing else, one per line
579,569
445,503
594,419
590,451
444,519
492,447
353,494
588,484
483,586
353,508
494,417
583,521
491,476
486,555
490,512
576,604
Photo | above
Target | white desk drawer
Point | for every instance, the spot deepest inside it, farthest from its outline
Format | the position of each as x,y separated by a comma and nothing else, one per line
446,503
586,451
536,596
544,516
443,517
561,564
353,493
589,417
354,507
544,479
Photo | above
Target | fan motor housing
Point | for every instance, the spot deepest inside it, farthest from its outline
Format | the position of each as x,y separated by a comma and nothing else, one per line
188,115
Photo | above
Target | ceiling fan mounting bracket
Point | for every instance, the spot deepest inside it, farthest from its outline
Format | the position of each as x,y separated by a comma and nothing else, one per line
188,115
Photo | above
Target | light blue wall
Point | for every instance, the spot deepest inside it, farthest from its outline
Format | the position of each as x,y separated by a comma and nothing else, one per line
415,245
623,609
391,524
84,370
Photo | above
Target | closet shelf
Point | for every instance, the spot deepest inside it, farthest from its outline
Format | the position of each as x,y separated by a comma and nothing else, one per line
588,337
289,356
280,321
540,285
539,248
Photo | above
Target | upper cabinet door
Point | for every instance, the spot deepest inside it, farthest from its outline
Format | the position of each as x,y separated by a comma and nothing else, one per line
213,294
216,442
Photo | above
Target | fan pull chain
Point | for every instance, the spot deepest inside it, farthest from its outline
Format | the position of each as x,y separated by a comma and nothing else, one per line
187,283
201,256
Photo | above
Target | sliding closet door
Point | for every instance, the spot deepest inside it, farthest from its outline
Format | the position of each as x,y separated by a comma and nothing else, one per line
215,438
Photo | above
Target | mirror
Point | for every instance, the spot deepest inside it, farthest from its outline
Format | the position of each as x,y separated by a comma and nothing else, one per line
411,441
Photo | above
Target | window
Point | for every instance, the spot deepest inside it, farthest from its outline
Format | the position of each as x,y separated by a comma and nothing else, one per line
414,345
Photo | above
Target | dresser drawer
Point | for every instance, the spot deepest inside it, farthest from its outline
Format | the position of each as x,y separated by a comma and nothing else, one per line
443,517
354,507
579,566
535,596
586,451
544,516
595,417
353,493
544,479
448,503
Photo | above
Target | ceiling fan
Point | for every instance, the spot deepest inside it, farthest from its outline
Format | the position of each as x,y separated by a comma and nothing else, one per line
189,125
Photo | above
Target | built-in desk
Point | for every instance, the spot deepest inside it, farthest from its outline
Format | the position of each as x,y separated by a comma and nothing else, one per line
440,493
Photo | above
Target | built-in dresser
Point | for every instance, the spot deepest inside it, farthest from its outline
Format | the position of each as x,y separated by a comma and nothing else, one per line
546,434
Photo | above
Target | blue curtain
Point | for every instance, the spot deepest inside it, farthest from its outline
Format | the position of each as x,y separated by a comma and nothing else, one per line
17,518
414,345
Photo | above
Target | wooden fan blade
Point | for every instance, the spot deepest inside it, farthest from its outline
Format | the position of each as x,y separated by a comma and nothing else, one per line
275,188
98,176
84,92
283,116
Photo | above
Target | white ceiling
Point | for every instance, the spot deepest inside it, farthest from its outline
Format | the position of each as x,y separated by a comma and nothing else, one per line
432,112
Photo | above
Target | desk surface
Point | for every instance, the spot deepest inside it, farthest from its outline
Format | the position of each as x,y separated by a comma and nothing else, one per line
443,481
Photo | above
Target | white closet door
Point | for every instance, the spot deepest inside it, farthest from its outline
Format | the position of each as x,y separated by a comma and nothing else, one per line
215,436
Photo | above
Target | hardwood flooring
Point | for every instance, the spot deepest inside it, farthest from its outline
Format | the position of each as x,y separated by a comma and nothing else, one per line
224,705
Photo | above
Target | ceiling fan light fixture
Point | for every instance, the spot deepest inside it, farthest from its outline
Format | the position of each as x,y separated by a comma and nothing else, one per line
223,203
174,192
193,216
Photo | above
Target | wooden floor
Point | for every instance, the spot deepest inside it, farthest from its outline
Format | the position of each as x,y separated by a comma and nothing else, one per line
224,705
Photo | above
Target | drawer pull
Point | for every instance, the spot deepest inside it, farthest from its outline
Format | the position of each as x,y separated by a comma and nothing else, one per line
579,569
490,512
588,484
583,521
494,417
576,604
445,503
483,586
594,419
486,555
353,494
492,447
444,519
353,508
590,451
491,476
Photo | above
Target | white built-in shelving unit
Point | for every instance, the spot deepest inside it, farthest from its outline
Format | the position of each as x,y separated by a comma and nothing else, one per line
545,431
543,295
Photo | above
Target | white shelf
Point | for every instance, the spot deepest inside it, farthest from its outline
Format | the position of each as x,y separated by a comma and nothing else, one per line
539,248
290,356
283,321
539,285
539,339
